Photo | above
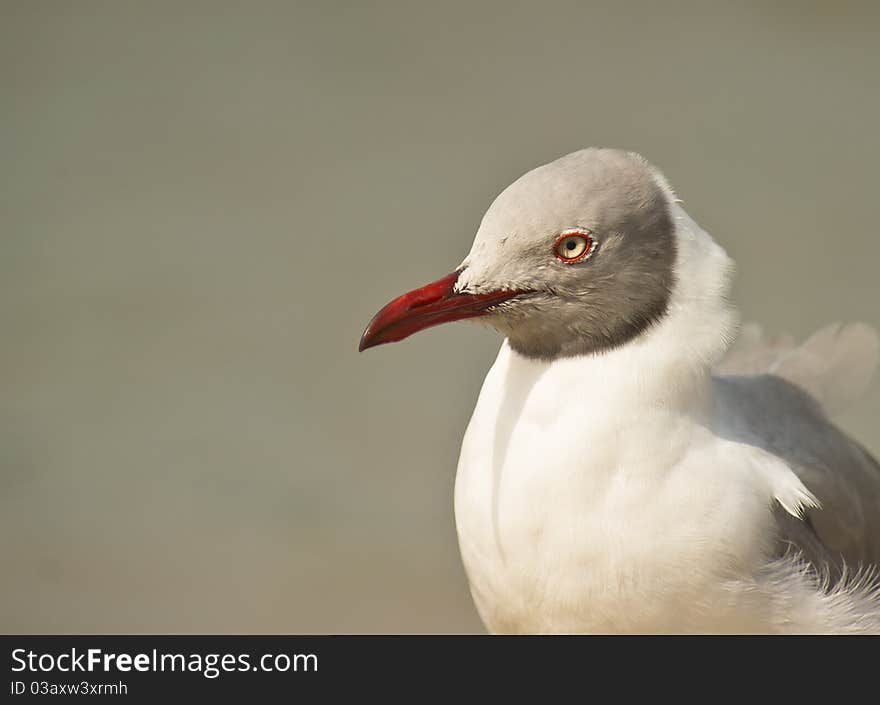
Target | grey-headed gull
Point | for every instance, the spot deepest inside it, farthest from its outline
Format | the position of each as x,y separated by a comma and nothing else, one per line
631,466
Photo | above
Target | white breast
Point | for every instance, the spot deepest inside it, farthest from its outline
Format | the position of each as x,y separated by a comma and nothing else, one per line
574,516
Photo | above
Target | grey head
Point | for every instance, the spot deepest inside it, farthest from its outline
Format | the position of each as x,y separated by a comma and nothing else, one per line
612,210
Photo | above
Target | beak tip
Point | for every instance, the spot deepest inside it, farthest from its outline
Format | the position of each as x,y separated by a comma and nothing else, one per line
368,340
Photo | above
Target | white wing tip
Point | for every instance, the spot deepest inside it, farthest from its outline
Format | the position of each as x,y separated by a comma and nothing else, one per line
791,493
797,501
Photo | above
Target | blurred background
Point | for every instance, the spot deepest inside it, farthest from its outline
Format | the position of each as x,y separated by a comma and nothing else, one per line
203,203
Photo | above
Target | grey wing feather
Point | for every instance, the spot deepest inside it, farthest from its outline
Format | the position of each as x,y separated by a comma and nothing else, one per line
771,393
778,417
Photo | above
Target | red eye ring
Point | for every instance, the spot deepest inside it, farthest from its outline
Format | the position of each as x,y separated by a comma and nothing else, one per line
574,245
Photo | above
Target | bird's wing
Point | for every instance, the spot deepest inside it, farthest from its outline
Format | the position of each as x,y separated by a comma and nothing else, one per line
834,365
769,392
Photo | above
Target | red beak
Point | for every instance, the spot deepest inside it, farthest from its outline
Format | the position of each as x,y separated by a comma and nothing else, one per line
428,306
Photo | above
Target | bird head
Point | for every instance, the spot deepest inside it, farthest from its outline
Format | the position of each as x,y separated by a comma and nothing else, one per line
575,257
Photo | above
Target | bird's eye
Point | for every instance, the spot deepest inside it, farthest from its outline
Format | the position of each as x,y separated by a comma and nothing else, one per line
574,247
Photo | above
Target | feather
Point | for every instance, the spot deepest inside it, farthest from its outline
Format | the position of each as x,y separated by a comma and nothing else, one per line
834,365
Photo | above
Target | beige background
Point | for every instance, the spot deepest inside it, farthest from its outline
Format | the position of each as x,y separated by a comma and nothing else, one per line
204,203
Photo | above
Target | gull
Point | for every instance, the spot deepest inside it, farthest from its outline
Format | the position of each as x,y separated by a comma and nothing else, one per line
632,466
